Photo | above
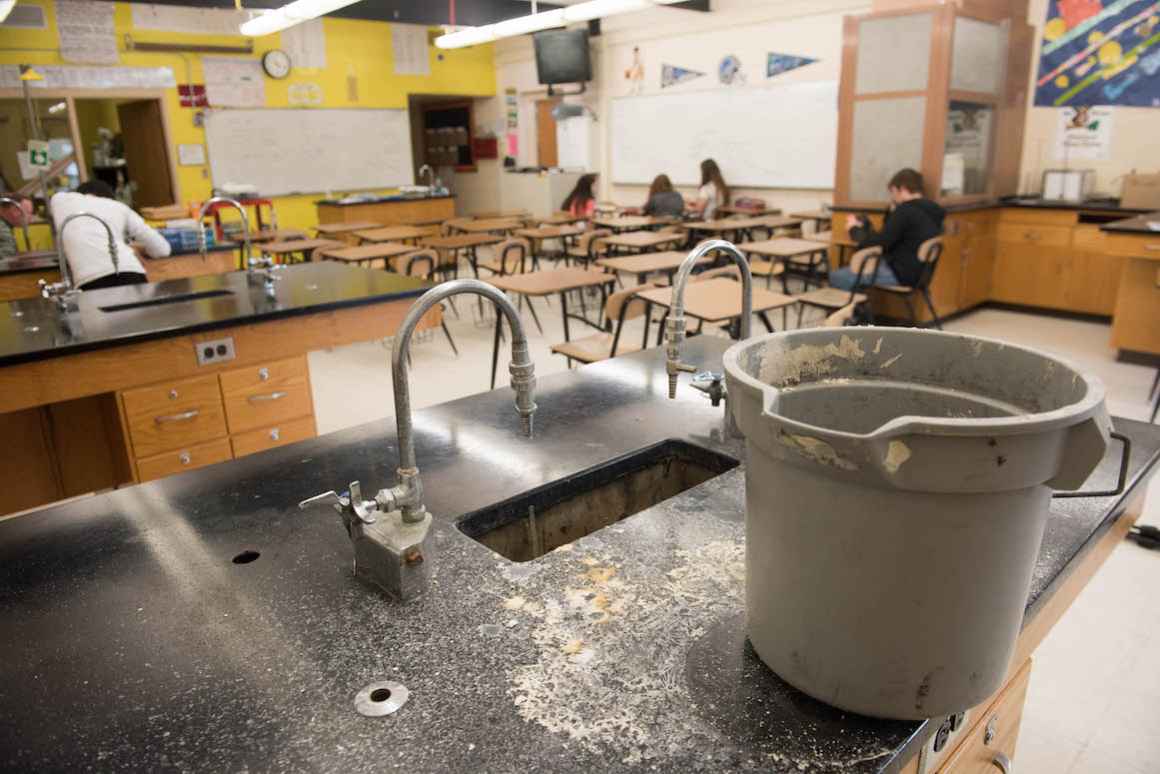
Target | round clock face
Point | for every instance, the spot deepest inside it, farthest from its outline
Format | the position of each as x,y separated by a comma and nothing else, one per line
276,63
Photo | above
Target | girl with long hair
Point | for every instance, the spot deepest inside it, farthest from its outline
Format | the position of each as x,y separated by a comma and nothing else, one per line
713,192
582,200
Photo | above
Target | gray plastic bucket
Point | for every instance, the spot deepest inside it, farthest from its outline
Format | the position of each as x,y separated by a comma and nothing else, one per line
898,482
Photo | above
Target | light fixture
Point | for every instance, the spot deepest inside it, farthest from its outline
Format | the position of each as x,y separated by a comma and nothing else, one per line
57,108
290,14
581,12
6,7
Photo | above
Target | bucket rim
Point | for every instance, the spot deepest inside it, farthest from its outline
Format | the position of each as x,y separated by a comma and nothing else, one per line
911,424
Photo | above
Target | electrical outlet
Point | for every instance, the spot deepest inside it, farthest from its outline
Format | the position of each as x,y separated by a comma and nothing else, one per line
216,351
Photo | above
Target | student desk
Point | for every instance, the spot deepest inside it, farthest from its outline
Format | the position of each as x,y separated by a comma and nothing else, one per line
561,219
499,214
345,230
301,247
491,225
545,283
632,222
716,300
803,253
465,242
843,245
732,209
367,254
819,219
276,235
537,236
641,241
392,234
644,264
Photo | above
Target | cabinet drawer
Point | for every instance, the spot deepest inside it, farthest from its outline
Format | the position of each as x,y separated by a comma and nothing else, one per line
995,732
194,456
1039,216
1133,245
167,416
1044,236
271,437
265,395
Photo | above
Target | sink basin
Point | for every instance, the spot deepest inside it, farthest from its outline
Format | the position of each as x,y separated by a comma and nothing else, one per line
536,522
165,300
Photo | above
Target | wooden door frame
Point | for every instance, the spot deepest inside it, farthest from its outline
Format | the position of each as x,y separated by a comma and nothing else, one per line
71,95
554,100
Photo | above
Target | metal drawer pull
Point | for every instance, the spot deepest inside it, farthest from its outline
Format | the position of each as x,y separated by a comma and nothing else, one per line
1002,762
184,416
272,396
185,458
275,435
1152,247
263,374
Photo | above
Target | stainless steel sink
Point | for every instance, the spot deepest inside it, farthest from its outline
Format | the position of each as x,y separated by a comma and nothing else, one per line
165,300
536,522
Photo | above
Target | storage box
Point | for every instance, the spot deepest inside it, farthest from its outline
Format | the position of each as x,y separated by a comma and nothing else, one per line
1141,192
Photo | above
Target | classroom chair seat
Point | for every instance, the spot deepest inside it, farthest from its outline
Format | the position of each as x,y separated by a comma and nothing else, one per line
621,306
509,257
589,246
929,253
833,299
594,348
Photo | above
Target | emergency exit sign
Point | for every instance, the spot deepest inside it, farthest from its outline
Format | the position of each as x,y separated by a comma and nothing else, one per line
38,154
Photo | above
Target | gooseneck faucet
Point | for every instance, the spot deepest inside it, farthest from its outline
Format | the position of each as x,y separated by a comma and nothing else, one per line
430,174
65,292
7,201
708,382
247,248
390,551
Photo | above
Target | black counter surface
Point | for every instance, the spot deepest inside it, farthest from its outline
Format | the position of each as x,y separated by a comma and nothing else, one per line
132,641
1137,225
32,329
381,200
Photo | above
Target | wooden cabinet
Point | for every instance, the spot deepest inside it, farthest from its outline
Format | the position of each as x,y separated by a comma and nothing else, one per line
188,458
271,437
978,257
261,396
995,732
172,415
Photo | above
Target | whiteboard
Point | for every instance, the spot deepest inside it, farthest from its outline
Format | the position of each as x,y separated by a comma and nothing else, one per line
288,151
782,136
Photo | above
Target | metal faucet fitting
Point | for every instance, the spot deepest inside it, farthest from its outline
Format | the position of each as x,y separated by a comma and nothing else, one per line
65,292
247,248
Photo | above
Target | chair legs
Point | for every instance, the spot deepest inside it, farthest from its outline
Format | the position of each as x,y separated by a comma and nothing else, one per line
930,305
451,341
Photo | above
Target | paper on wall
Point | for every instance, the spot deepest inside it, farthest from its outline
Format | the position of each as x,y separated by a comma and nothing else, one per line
1084,133
191,154
85,30
57,77
306,44
409,45
199,21
234,82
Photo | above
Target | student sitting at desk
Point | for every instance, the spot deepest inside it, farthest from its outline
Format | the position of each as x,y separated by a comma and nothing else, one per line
713,192
86,243
581,202
663,201
911,220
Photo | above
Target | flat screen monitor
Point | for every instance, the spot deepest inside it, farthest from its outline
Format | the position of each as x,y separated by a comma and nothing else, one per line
562,56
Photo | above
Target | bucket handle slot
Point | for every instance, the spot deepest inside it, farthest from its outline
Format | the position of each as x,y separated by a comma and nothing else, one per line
1121,482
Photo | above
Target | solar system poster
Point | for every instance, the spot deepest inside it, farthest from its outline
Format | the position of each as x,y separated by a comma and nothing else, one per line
1100,52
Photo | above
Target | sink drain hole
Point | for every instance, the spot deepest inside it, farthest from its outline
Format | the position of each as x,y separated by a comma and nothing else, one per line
380,694
245,557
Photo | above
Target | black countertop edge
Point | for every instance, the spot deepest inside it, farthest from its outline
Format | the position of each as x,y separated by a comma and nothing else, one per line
1015,203
382,200
1136,225
176,330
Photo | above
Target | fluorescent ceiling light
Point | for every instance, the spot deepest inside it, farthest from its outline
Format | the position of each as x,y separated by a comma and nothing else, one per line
581,12
289,15
6,7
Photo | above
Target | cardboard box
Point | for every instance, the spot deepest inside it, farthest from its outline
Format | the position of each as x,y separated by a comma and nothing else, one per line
1141,192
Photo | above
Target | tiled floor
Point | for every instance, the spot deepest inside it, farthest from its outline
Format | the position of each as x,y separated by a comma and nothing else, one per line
1094,702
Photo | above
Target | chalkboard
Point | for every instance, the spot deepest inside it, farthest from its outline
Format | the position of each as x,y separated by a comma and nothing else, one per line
294,151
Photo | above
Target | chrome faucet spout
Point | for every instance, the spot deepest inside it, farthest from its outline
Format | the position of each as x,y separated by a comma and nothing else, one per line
247,248
521,368
675,326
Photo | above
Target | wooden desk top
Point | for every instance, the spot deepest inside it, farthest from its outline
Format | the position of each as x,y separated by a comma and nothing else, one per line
342,228
828,238
632,221
732,209
549,232
649,262
367,252
491,224
545,283
642,239
425,221
461,241
561,219
298,246
498,214
391,233
717,300
813,215
725,225
782,247
276,235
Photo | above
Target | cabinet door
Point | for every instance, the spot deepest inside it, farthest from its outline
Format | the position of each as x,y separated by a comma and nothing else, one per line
978,259
1030,274
1094,278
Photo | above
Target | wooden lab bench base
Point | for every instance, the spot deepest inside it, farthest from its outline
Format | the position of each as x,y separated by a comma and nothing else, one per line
87,422
397,212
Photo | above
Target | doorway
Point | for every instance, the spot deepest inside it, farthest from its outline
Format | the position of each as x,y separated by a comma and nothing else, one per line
124,143
547,152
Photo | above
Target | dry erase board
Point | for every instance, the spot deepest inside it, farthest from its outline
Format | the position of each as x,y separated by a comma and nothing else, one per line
773,137
287,151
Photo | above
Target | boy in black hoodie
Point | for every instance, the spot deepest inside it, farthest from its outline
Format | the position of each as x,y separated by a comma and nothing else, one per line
911,220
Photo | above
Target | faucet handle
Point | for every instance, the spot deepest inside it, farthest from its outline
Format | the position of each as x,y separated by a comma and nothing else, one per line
675,367
710,383
349,503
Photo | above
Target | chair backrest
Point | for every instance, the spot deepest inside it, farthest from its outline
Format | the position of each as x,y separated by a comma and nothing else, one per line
450,226
512,254
841,317
589,240
623,304
928,254
728,272
419,263
867,261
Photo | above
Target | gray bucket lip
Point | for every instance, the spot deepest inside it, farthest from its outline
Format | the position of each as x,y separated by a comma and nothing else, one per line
1066,416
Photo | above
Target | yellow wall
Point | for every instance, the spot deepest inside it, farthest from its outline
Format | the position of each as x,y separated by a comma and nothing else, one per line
361,49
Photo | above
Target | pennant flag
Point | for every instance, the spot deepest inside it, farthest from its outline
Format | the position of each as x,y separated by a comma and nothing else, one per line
777,64
671,75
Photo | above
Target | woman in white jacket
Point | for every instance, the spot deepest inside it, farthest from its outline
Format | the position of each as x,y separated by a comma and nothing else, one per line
86,244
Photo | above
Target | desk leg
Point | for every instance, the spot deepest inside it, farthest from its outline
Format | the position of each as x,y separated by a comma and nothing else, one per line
564,309
647,323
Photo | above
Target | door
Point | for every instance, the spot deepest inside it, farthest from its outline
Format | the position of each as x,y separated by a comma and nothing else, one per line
147,152
546,133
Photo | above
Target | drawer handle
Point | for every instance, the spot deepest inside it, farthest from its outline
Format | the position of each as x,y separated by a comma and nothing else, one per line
185,458
275,435
1031,235
1152,247
184,416
263,398
263,374
1002,763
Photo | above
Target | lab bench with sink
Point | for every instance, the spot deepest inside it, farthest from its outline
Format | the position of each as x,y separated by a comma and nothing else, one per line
143,381
584,607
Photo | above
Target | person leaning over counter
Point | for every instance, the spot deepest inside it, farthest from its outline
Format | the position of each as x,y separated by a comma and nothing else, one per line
86,244
10,218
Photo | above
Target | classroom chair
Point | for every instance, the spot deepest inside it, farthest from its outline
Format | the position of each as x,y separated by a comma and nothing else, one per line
509,257
832,299
588,248
451,225
620,307
928,253
840,318
425,263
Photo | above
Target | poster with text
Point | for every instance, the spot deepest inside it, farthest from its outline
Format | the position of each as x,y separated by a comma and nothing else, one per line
1100,52
1084,133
